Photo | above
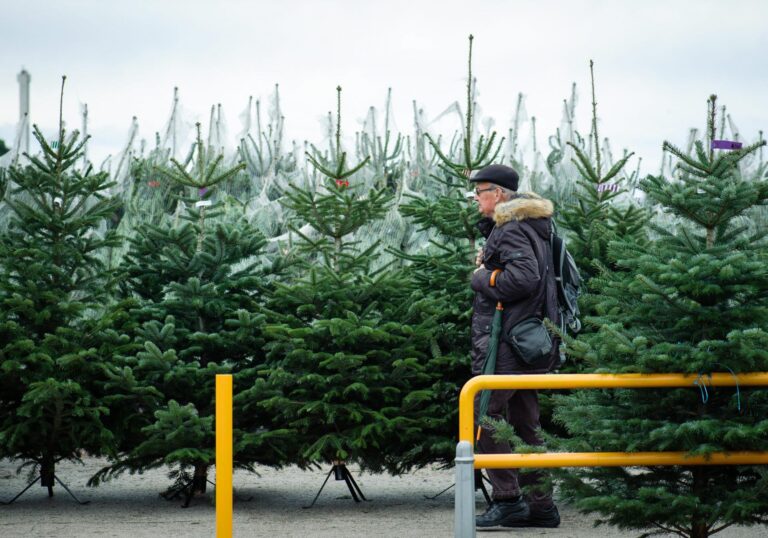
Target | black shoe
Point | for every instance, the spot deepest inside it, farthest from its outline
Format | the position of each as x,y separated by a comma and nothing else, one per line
504,513
549,518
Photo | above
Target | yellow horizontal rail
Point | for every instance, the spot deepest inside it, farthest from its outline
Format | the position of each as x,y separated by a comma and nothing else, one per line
615,459
601,459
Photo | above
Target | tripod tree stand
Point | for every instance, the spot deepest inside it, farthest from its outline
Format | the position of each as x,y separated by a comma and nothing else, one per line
340,472
48,479
480,480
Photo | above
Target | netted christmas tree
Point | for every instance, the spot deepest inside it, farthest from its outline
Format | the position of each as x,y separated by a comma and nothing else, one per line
352,369
694,299
382,150
54,350
196,280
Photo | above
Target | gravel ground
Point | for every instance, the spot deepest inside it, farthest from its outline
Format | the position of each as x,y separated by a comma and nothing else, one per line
130,507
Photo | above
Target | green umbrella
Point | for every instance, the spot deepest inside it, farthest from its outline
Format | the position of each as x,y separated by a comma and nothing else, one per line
489,366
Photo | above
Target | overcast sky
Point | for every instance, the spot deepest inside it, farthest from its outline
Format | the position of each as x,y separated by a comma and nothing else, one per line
656,62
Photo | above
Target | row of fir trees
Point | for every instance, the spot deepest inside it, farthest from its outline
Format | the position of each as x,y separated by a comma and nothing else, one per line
111,343
348,339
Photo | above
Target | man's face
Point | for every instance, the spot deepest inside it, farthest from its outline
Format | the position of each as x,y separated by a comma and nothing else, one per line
487,195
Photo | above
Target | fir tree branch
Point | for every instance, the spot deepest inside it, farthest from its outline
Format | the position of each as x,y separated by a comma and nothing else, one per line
714,530
711,123
594,118
673,529
616,168
677,152
591,173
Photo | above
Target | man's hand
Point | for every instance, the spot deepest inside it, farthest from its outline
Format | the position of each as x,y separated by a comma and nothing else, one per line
481,267
479,257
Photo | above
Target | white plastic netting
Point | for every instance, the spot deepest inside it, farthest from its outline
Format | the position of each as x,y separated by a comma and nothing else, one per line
401,161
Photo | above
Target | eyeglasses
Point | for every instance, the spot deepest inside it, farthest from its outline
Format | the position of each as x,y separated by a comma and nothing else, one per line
479,191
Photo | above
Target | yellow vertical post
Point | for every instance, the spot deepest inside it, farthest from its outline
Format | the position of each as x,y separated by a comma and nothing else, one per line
224,456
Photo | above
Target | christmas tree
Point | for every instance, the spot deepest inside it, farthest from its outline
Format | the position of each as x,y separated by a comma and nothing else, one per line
442,267
692,299
383,150
54,350
598,211
352,370
444,210
196,280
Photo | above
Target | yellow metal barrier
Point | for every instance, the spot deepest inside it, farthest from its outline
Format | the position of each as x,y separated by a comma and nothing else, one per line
464,522
224,456
594,381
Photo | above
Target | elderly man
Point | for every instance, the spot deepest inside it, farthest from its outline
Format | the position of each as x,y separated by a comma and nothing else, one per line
514,268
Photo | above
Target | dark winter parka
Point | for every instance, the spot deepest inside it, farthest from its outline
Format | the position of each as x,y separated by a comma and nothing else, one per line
517,242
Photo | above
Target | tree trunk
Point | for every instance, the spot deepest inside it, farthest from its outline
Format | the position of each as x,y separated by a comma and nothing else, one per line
699,530
336,253
47,470
699,525
710,237
201,233
200,478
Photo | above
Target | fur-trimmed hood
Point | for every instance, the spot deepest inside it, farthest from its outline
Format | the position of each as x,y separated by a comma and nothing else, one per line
525,205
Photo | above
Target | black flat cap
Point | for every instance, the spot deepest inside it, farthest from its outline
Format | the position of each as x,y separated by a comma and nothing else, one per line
498,174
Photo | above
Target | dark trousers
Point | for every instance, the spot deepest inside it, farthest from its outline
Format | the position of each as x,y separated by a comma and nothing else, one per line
521,409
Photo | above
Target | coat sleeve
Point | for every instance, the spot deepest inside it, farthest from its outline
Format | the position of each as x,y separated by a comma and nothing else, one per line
520,274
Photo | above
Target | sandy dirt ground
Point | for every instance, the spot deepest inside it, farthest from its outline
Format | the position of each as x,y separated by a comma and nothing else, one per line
130,507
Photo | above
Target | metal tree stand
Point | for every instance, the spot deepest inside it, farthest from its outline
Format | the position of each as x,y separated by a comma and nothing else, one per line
340,472
189,489
480,480
187,486
47,480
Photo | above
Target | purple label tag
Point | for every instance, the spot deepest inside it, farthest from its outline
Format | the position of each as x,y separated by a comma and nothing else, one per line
725,144
202,191
607,187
